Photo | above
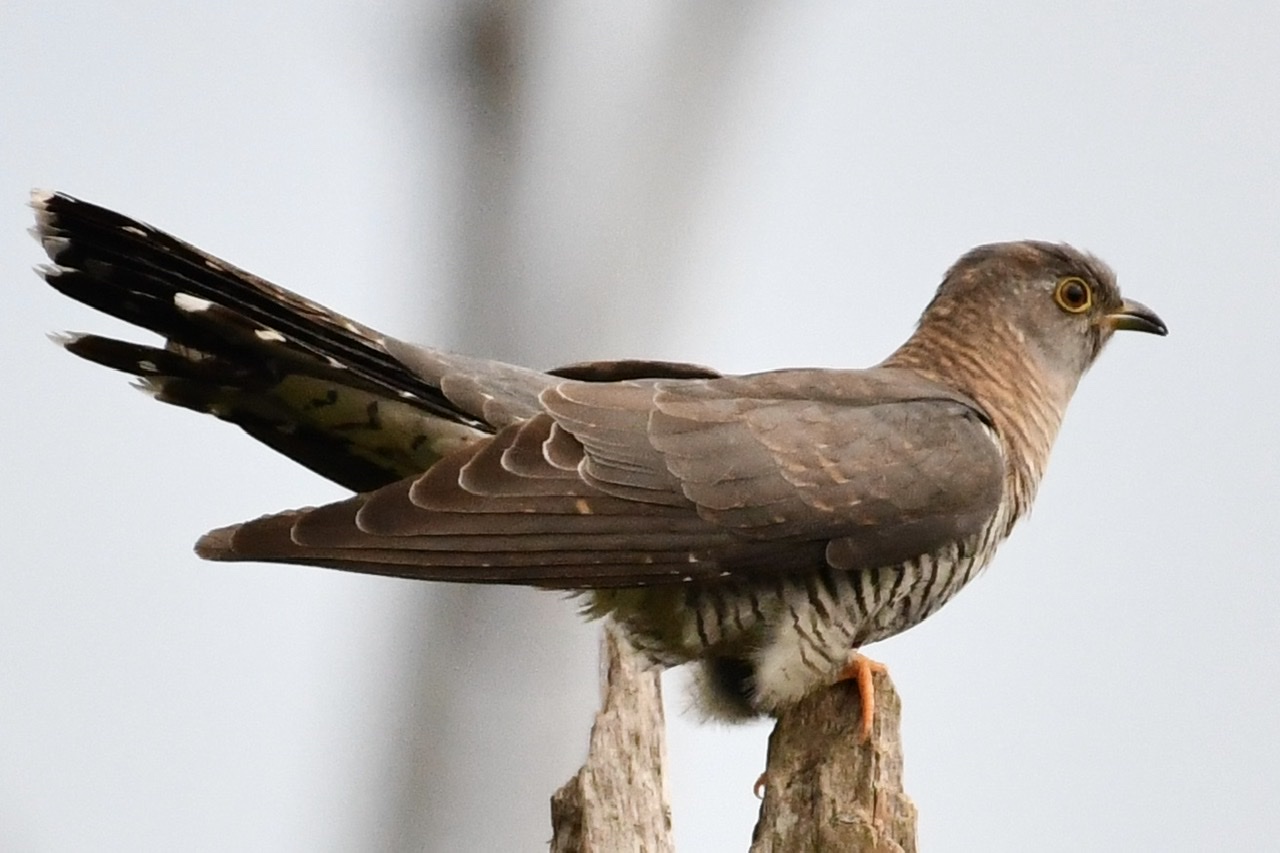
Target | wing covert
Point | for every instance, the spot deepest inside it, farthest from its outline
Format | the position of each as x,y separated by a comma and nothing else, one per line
888,470
651,481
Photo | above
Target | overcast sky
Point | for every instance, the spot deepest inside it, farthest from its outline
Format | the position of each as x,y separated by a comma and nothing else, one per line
1109,684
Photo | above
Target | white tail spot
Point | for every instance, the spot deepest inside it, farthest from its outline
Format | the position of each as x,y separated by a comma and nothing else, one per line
54,246
63,339
191,304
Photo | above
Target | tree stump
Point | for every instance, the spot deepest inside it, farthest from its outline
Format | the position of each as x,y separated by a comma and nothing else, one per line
618,801
826,789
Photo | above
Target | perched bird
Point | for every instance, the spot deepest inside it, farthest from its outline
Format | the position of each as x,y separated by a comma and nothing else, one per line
763,527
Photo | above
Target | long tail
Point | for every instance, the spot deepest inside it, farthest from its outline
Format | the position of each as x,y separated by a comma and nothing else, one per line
320,388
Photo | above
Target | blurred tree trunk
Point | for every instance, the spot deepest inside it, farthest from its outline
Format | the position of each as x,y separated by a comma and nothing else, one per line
582,136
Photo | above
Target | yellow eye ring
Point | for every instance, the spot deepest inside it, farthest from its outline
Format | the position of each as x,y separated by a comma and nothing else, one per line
1073,295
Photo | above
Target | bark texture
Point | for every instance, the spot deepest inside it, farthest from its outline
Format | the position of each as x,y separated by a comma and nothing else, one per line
826,790
618,800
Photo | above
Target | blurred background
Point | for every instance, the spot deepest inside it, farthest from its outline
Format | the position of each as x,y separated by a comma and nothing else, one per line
746,185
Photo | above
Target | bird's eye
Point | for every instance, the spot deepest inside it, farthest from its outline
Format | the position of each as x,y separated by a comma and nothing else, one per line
1073,295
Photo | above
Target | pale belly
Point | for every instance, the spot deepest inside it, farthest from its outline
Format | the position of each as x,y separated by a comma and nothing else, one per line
763,644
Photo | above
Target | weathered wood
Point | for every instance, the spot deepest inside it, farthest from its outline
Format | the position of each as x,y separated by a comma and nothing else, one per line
826,790
618,800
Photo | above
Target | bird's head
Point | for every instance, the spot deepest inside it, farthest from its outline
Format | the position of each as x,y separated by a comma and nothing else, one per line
1047,302
1014,326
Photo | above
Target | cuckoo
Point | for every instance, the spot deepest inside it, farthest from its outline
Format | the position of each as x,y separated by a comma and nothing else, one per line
761,527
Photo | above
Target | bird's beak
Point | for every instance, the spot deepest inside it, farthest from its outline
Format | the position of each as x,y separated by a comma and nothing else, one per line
1136,317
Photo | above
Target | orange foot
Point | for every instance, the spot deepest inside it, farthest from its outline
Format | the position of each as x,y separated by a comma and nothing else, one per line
860,670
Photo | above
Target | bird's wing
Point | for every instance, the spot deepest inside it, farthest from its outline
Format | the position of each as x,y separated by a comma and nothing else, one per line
640,482
878,464
625,369
881,464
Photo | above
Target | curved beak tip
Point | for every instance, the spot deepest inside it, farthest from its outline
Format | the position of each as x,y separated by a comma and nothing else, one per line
1136,317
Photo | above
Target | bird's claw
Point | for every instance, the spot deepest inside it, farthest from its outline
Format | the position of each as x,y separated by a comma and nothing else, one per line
861,670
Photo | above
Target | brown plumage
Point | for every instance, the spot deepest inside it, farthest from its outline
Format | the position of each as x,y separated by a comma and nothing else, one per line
764,526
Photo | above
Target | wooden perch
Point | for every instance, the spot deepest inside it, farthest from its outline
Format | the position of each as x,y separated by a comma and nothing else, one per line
618,800
826,789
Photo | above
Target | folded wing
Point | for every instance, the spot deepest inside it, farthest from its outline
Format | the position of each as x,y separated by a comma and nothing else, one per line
658,481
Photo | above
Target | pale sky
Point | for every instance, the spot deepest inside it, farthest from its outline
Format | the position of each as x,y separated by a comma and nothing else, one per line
1108,684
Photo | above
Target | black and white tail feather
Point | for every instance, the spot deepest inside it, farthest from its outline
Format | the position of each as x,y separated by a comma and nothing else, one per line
306,381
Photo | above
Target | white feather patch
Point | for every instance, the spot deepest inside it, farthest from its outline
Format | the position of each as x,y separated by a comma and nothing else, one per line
191,304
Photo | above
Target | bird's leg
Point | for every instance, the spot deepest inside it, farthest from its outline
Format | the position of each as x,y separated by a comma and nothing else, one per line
860,669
